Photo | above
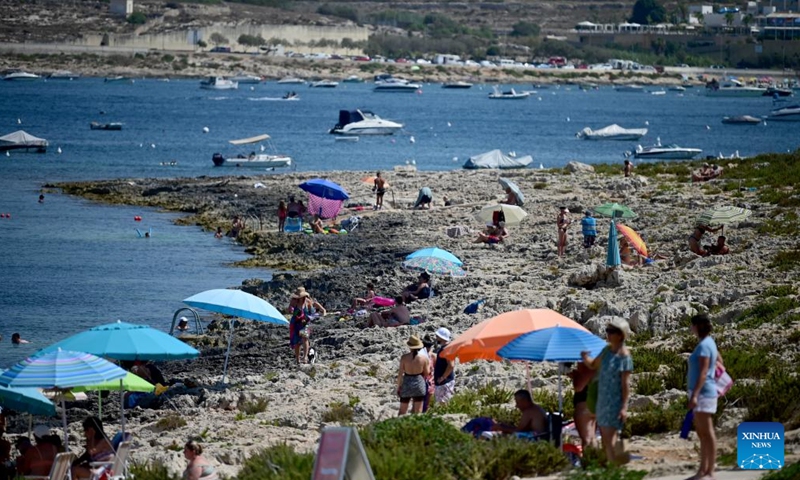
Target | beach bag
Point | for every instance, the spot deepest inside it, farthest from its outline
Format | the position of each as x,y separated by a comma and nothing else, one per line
591,397
723,380
621,457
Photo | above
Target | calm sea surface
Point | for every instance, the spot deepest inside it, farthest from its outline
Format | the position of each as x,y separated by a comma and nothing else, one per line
67,264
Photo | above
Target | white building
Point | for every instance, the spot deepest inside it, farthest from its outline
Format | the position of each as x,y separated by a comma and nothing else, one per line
121,7
444,59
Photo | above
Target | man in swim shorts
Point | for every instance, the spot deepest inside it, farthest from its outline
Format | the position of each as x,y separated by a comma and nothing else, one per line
379,188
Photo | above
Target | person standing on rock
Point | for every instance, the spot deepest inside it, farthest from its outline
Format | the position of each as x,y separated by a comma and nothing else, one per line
703,394
443,373
613,385
628,169
414,368
589,229
563,221
380,189
282,212
302,307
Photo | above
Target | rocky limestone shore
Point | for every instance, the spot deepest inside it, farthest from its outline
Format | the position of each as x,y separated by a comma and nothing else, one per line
357,366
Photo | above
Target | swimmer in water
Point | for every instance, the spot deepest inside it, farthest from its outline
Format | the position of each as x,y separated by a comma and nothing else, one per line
17,340
146,234
41,198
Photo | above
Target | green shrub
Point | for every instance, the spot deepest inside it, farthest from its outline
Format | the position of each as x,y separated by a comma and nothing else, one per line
491,395
170,422
788,472
747,362
251,407
768,311
150,471
777,399
137,18
676,376
650,359
654,419
279,462
648,384
786,260
338,412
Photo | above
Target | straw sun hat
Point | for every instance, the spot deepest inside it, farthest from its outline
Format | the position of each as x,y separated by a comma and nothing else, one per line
300,293
414,343
622,325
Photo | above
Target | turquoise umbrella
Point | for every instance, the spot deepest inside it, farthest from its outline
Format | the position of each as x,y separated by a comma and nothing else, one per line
28,400
62,370
435,252
612,257
238,304
433,265
126,341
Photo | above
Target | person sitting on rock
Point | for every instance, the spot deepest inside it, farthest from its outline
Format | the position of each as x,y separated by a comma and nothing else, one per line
512,198
696,237
533,421
493,234
719,249
316,225
395,317
421,289
367,300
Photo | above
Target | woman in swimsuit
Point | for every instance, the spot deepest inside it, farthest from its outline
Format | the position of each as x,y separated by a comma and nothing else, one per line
697,235
199,467
411,383
379,189
302,307
563,221
98,449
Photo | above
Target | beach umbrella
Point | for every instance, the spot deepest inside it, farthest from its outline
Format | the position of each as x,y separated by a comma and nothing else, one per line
614,210
126,341
26,399
130,383
62,370
633,239
238,304
512,213
435,266
435,252
325,198
723,216
553,344
612,255
506,183
482,341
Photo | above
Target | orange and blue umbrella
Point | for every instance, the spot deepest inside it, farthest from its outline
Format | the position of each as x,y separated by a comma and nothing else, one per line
633,239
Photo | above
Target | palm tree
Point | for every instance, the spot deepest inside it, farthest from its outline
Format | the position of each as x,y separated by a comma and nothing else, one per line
747,21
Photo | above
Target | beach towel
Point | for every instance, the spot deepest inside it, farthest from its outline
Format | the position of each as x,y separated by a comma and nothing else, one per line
458,231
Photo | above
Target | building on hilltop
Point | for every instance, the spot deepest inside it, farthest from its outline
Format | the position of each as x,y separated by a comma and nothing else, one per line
121,7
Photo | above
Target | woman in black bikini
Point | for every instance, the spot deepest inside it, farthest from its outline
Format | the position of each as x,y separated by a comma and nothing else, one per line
411,383
697,235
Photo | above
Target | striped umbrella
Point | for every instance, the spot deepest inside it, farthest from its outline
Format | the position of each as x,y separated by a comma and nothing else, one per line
633,238
723,216
61,369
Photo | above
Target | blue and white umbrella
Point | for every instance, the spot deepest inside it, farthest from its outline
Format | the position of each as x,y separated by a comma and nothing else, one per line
238,304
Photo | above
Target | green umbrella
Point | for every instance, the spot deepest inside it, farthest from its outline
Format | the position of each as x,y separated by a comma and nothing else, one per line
723,216
614,210
129,383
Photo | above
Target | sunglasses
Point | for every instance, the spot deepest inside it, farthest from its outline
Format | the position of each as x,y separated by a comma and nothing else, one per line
615,331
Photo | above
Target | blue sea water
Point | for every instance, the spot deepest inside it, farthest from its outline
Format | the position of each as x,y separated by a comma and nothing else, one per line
68,264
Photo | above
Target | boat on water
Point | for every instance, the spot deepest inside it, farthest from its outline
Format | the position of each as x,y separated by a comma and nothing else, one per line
496,159
741,120
393,84
630,88
732,88
243,78
363,122
353,79
22,140
790,113
323,84
778,92
105,126
512,94
258,160
117,79
658,92
218,83
21,76
291,81
63,75
665,152
457,85
677,88
612,132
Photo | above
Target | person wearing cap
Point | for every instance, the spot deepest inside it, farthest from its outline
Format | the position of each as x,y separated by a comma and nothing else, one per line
414,368
183,324
36,460
444,377
302,307
613,384
589,229
563,221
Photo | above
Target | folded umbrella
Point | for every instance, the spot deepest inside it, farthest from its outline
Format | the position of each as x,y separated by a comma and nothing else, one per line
612,254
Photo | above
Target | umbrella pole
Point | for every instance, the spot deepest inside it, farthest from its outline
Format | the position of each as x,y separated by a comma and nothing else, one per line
64,422
122,408
30,426
99,405
560,396
227,353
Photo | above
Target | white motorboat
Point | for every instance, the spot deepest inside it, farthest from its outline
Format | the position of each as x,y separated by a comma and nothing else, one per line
63,75
741,120
612,132
508,94
733,88
291,81
218,83
363,122
253,159
457,85
117,79
392,84
665,152
630,88
324,84
677,88
789,113
353,79
22,140
21,76
242,78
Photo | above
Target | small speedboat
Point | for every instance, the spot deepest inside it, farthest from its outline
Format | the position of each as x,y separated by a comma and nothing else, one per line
243,78
778,92
258,160
117,79
105,126
677,88
664,152
291,96
457,85
733,88
741,120
291,81
392,84
21,76
508,94
324,84
630,88
63,75
218,83
789,113
363,122
612,132
353,79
